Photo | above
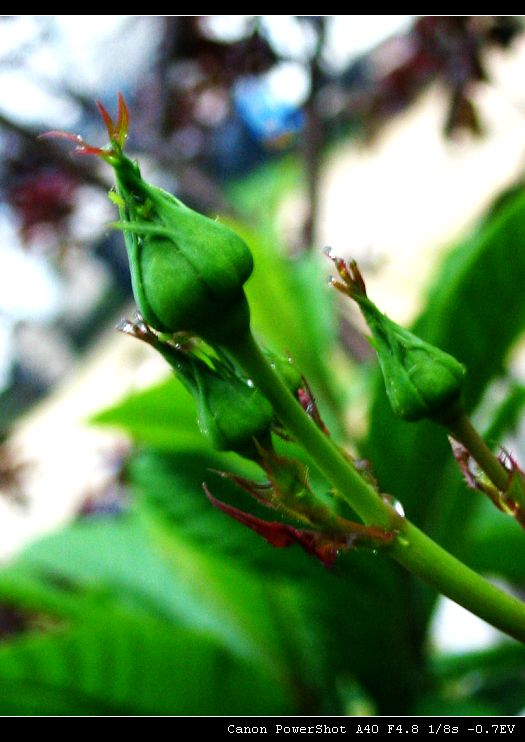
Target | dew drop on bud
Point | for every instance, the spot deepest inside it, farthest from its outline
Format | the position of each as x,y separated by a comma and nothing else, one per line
329,252
395,505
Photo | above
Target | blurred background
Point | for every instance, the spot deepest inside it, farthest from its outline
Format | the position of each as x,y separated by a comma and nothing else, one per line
386,137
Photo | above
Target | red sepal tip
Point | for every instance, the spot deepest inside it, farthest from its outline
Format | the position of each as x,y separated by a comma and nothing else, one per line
108,121
117,132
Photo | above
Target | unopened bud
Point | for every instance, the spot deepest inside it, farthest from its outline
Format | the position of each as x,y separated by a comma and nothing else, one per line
231,413
421,380
187,271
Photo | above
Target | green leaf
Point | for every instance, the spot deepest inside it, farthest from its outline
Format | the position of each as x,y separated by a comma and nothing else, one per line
120,558
112,556
488,679
495,543
259,194
124,664
506,417
352,597
506,658
476,308
163,416
171,487
437,705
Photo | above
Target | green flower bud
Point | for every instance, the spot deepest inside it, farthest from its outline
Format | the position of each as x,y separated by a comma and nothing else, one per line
421,380
231,412
187,270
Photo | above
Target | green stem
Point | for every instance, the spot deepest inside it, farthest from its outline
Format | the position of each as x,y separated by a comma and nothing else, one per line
464,432
323,451
412,549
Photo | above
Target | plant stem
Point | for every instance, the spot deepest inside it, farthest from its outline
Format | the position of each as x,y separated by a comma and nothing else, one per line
413,549
429,561
463,431
321,448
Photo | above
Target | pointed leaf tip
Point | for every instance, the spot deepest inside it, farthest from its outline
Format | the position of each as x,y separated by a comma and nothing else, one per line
117,133
82,147
55,134
108,121
121,127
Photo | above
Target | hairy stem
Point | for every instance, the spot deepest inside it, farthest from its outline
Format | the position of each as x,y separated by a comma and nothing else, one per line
412,548
463,431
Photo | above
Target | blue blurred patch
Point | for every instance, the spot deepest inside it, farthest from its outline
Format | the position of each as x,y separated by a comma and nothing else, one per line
269,119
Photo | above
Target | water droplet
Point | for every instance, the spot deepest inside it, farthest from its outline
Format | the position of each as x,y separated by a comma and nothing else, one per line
331,280
403,541
395,504
250,383
329,253
125,326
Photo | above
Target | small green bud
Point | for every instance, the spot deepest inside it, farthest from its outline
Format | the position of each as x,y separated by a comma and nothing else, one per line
231,412
421,380
187,271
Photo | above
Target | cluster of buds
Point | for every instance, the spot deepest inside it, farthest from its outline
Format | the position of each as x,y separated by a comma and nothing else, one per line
234,416
188,274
